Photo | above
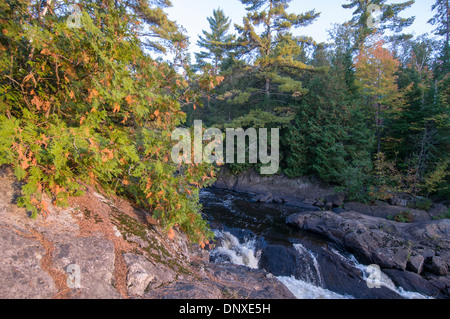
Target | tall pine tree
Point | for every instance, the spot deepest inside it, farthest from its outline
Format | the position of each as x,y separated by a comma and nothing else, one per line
367,12
266,39
218,42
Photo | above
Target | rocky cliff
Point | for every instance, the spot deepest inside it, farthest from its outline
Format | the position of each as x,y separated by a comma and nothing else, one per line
103,248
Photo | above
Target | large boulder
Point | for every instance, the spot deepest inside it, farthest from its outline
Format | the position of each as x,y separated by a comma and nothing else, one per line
413,282
287,261
361,235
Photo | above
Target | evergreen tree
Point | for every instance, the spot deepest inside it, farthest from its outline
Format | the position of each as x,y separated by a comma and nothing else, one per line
365,13
218,42
266,38
442,22
328,137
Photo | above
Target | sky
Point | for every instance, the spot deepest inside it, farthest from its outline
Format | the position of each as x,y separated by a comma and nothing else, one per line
192,14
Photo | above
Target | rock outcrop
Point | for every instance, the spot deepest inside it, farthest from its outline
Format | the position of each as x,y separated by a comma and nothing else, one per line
275,188
104,248
421,248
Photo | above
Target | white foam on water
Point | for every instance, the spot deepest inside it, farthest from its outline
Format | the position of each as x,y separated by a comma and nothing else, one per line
243,254
303,290
384,281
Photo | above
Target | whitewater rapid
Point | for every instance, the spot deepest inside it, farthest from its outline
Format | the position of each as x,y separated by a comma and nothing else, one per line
245,253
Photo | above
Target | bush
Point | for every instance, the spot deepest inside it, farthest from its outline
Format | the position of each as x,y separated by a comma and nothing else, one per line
404,217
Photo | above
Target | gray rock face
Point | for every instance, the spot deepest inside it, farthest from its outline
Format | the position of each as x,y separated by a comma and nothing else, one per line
386,211
21,275
381,241
389,211
421,247
358,207
95,258
359,235
437,211
413,282
143,275
225,281
439,265
416,264
280,188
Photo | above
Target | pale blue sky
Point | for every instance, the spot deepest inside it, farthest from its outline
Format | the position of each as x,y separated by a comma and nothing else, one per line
192,14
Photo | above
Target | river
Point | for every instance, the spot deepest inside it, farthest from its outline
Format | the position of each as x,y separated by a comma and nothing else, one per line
256,235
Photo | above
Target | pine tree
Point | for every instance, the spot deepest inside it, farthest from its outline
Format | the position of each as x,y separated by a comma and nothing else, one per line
442,22
328,137
218,42
273,49
365,13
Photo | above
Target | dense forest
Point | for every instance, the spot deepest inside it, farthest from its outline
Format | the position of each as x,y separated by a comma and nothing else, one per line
367,112
85,98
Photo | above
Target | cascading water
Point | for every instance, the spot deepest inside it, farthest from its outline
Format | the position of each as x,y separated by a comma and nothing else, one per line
244,229
312,269
245,253
232,251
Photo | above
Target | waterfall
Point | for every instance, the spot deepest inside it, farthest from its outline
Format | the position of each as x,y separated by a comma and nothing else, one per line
232,251
255,232
304,290
244,253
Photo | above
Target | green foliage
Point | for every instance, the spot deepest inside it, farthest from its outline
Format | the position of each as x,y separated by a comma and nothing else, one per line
328,137
422,204
88,105
218,42
404,217
266,39
389,17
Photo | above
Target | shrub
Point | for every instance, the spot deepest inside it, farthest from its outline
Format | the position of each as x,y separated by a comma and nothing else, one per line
404,217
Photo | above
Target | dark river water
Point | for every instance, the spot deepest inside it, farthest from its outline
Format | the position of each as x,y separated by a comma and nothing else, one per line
256,235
